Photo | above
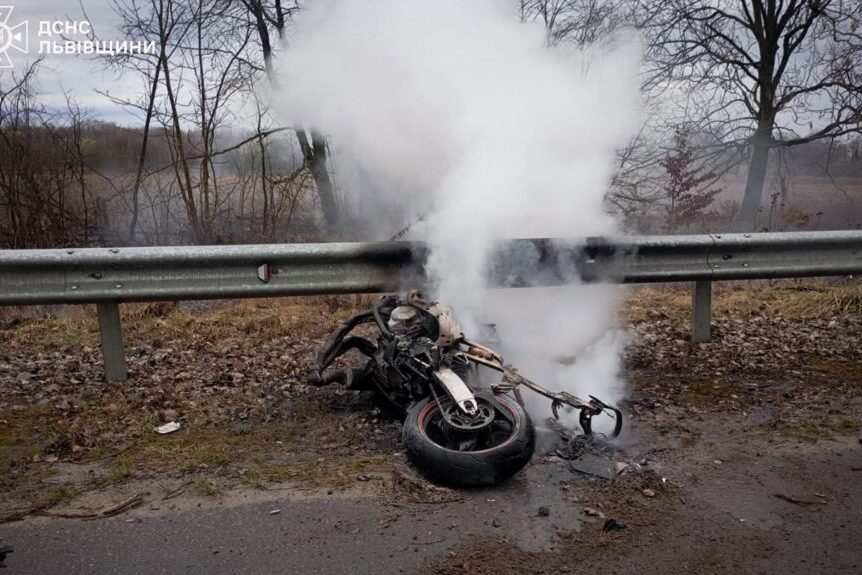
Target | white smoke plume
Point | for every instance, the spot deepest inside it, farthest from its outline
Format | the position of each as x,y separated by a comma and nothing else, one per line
455,112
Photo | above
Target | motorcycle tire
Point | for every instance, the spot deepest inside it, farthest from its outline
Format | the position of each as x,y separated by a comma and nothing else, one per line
502,453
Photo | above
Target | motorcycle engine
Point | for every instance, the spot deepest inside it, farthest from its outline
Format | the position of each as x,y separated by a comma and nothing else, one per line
420,332
404,321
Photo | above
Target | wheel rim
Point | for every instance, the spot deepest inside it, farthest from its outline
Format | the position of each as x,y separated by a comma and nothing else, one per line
502,430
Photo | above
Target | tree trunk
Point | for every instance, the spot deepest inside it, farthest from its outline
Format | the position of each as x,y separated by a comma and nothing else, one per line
182,170
263,182
279,19
320,172
142,157
747,217
315,153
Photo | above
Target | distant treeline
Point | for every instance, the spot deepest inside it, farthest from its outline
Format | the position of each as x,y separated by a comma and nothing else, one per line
753,123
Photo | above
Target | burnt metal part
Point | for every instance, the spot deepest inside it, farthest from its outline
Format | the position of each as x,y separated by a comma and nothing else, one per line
612,524
588,409
329,352
459,420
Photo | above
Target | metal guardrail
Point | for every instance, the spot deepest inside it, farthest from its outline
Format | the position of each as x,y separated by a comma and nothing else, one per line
109,276
93,275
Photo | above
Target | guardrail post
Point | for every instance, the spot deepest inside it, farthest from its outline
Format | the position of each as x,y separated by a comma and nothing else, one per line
111,334
701,311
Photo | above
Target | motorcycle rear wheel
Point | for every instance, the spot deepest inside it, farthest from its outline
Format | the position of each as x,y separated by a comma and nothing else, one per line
483,458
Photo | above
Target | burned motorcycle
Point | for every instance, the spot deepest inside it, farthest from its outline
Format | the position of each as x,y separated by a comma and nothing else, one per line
459,429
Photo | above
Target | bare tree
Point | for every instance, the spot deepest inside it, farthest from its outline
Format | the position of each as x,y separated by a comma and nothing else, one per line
761,74
202,70
150,68
311,142
45,196
581,22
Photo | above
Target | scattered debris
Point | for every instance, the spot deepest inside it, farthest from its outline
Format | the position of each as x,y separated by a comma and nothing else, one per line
50,458
646,402
407,486
121,507
648,492
593,512
275,512
4,551
621,467
169,427
432,542
796,500
613,525
595,465
125,505
544,511
176,492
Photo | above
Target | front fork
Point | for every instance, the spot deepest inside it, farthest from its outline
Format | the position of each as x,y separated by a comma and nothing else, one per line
512,380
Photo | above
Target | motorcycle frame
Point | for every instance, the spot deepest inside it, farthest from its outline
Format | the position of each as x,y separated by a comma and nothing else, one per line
338,344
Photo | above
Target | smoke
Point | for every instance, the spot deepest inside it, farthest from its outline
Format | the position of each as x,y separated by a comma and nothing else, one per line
456,117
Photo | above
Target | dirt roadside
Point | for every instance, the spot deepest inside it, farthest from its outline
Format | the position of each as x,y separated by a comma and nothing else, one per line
742,456
727,506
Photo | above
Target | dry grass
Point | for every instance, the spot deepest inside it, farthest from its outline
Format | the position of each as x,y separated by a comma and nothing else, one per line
312,446
338,471
254,320
260,320
814,428
703,393
205,487
844,372
23,434
305,442
54,334
802,300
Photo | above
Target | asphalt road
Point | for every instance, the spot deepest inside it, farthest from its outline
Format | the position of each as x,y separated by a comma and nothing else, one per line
737,506
323,534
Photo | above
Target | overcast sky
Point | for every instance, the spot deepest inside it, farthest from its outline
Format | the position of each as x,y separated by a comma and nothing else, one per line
79,75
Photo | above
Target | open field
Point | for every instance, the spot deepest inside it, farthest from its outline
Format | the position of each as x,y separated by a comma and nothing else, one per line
742,454
815,200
